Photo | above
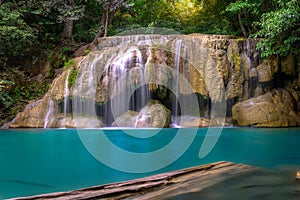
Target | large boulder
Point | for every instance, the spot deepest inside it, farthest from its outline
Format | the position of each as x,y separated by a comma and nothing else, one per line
128,119
33,116
154,114
273,109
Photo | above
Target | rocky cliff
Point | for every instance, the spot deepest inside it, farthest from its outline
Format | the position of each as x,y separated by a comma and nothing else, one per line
202,76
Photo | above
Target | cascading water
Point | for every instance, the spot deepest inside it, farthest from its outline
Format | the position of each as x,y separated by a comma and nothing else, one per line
177,60
66,93
118,76
130,91
123,73
49,113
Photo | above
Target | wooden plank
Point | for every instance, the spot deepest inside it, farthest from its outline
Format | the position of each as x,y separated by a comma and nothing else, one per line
164,185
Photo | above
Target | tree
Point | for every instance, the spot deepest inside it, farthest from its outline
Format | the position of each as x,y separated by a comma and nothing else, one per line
276,23
280,29
110,8
247,12
16,36
69,22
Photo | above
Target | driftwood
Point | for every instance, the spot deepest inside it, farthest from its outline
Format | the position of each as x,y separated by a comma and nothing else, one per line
161,186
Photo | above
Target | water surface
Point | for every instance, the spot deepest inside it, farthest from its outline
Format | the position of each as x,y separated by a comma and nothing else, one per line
36,161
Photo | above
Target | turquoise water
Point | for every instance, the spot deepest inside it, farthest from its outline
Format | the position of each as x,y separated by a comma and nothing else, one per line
36,161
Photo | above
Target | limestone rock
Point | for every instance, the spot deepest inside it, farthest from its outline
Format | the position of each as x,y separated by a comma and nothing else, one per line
273,63
154,114
206,64
264,73
288,65
33,116
236,79
189,121
222,64
273,109
128,119
35,113
218,121
84,122
253,73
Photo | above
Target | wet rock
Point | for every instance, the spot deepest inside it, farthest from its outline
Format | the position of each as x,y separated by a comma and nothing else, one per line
273,109
154,114
189,121
218,121
128,119
207,64
84,122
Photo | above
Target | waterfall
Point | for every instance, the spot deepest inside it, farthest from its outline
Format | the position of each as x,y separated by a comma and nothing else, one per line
124,72
185,73
85,88
66,93
177,60
49,113
130,91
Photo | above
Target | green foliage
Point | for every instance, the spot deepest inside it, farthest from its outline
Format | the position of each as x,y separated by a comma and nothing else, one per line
69,64
16,36
72,77
145,13
5,99
276,23
15,95
280,29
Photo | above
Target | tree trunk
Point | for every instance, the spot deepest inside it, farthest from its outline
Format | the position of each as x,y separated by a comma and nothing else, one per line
187,183
242,26
69,24
68,29
106,22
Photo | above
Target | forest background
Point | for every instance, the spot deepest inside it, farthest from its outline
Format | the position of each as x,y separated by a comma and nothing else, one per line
38,38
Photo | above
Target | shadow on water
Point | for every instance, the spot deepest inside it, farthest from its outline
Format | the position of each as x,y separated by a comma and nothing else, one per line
28,183
270,184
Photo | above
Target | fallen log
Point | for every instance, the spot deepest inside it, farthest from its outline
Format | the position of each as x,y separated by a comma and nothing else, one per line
161,186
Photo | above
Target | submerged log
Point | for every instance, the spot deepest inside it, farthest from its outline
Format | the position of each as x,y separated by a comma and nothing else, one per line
161,186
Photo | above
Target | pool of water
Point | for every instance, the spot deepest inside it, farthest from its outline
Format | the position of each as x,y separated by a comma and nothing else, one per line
36,161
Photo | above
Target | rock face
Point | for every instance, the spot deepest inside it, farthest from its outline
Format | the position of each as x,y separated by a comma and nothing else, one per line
131,69
188,121
45,113
273,109
128,119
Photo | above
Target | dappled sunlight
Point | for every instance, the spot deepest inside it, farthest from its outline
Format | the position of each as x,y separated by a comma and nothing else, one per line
187,10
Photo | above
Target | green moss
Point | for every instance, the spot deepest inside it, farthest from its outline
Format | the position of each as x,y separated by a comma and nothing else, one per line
240,39
88,51
236,59
70,63
72,77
